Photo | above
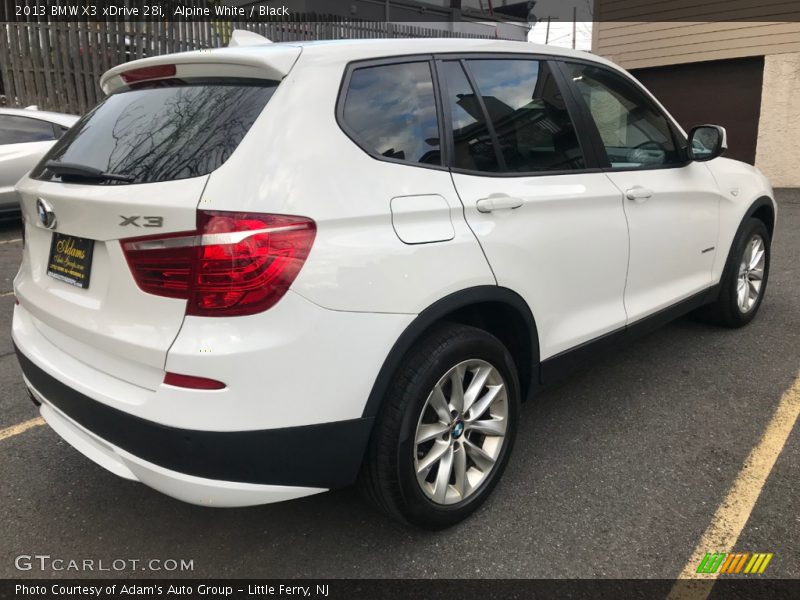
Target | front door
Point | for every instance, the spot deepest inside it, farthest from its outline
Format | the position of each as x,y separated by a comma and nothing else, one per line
672,206
552,227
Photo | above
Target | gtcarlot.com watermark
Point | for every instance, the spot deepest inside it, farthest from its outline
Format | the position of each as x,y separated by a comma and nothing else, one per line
45,562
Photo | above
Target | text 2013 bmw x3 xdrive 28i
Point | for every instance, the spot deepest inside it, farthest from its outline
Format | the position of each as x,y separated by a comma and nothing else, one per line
265,271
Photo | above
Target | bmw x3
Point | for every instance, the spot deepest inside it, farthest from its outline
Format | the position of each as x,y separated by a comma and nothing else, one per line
269,270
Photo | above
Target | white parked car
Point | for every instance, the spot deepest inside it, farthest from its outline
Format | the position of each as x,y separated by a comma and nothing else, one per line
263,272
25,136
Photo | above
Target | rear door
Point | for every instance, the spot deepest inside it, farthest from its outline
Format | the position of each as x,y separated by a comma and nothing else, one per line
672,205
551,223
159,142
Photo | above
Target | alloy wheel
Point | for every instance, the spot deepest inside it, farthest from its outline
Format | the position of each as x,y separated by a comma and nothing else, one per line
751,274
461,432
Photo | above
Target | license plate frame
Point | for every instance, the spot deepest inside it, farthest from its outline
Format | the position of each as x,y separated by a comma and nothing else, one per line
70,259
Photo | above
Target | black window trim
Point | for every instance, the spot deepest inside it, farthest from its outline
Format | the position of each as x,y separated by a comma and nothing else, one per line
590,157
394,60
590,152
594,152
498,151
38,120
591,128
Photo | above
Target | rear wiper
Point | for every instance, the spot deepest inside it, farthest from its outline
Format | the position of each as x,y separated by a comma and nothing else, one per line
83,171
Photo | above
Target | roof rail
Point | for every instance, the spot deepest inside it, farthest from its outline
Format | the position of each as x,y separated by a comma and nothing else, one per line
243,37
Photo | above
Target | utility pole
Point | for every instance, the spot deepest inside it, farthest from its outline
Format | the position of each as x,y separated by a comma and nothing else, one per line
455,13
574,24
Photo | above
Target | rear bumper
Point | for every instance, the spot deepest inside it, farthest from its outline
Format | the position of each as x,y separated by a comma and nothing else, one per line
195,490
231,468
291,415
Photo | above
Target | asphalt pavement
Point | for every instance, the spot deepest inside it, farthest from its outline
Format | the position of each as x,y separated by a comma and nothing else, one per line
617,472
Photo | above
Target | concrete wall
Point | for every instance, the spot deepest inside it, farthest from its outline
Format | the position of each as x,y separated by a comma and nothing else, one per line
778,150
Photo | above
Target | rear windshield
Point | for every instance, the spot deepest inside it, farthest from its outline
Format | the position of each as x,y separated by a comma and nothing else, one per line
161,132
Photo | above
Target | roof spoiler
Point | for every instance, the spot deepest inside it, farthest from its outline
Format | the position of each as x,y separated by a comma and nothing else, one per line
243,37
269,61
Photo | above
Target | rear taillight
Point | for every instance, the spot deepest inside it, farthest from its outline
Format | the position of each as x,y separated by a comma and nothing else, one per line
234,264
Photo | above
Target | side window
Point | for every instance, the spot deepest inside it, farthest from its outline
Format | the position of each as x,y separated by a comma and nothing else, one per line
473,148
391,110
529,115
634,132
16,130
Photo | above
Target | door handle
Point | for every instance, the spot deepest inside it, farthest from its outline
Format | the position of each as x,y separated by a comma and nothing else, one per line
638,193
498,202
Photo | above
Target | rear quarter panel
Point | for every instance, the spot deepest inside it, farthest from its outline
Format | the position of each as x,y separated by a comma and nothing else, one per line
296,160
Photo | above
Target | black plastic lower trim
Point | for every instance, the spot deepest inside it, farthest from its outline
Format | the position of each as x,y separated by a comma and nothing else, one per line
440,309
559,366
327,455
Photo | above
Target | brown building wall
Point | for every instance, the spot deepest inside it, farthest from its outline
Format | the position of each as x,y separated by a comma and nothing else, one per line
693,94
705,59
647,33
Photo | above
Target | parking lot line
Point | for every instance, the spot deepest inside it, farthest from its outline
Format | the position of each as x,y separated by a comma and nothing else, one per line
10,241
20,428
5,294
734,511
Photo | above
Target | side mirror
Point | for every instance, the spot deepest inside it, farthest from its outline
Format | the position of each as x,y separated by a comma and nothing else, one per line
707,142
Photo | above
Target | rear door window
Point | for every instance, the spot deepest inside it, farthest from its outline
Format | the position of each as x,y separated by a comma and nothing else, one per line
473,147
165,131
527,110
390,111
19,130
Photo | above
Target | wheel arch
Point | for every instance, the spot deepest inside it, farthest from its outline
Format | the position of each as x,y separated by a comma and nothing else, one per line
498,310
762,209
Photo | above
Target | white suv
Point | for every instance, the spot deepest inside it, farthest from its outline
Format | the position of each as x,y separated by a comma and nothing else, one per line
262,272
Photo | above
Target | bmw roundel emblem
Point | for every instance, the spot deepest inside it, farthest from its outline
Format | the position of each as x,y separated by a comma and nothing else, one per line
47,215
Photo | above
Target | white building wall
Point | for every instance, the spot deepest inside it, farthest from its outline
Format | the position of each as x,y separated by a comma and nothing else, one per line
778,150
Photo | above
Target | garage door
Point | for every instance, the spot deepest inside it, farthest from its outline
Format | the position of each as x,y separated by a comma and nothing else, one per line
723,92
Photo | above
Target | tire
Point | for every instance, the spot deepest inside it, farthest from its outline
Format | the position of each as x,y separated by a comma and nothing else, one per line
729,310
413,410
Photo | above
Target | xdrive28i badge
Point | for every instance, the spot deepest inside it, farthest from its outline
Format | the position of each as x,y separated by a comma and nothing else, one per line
47,215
